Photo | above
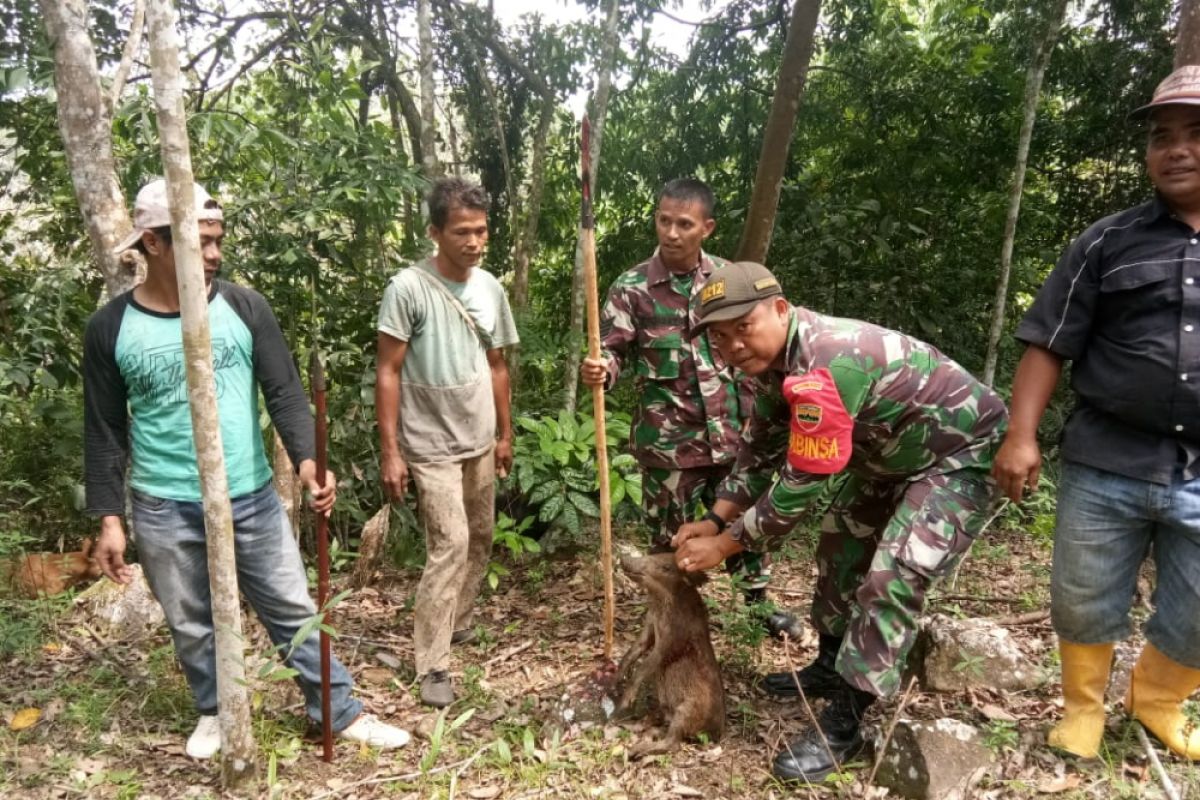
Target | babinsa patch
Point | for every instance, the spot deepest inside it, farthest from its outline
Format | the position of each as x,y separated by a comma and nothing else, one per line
819,440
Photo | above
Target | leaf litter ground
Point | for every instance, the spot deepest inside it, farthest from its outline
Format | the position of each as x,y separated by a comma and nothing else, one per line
112,717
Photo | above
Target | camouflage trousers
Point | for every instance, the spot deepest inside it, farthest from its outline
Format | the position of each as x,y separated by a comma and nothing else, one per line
882,546
671,497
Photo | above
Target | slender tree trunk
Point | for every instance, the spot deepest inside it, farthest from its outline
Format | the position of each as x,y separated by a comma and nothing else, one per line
429,163
132,45
287,485
238,768
1187,43
777,135
1033,91
599,112
85,121
527,241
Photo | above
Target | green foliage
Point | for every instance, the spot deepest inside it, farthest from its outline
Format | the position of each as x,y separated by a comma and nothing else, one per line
510,535
554,469
1036,513
1001,735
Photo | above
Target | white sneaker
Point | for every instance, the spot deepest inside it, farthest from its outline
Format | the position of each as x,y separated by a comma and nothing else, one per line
205,741
371,730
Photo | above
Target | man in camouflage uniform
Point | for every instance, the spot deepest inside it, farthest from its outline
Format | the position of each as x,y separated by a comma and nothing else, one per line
908,435
688,422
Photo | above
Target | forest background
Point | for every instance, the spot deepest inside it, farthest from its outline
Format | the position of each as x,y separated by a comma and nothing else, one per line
306,120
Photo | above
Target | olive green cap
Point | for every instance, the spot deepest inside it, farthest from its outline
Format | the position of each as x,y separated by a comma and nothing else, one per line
734,291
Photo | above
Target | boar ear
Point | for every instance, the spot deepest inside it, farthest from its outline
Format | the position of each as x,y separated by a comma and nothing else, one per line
696,578
86,546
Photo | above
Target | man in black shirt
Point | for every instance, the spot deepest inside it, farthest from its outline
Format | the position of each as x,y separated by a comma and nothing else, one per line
1123,305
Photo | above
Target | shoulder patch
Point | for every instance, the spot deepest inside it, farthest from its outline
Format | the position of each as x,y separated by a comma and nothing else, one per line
820,431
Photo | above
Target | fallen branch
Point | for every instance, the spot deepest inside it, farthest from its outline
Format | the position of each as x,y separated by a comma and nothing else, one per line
887,739
1163,778
1028,618
507,654
978,598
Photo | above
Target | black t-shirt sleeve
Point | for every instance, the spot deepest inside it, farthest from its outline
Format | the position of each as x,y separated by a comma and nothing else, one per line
276,372
105,412
1060,318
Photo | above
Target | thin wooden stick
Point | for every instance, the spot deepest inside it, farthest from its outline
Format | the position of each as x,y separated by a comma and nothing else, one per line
1168,787
812,717
587,235
887,739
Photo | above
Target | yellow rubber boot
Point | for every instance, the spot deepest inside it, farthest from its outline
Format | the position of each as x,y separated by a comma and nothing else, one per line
1085,669
1156,694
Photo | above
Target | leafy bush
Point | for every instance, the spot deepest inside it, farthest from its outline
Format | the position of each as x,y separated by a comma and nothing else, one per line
554,471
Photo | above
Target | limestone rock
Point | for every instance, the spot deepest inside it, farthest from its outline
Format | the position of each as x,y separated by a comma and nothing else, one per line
124,611
932,760
955,655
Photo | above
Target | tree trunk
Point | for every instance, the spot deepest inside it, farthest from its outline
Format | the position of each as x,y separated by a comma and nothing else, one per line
132,45
370,549
287,485
238,769
1187,43
599,112
527,241
777,135
429,163
1033,90
85,121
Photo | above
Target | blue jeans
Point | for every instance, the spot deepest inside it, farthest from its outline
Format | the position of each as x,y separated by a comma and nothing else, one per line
1108,523
174,556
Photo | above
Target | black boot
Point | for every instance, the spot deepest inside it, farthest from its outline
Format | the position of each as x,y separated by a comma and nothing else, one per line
818,679
809,757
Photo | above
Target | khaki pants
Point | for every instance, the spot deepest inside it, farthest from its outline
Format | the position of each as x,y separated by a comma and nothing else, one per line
456,500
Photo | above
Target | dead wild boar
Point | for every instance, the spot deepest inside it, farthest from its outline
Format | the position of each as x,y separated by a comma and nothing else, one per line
49,573
676,652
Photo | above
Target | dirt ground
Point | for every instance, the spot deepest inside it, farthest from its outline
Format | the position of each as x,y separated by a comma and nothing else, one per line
114,716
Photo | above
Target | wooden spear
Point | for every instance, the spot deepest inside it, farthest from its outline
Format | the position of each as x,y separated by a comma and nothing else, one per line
587,224
238,762
316,376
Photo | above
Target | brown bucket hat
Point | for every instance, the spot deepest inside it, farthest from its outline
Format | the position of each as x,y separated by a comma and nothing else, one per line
1181,87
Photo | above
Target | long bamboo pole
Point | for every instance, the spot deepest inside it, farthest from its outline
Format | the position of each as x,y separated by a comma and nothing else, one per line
317,379
587,236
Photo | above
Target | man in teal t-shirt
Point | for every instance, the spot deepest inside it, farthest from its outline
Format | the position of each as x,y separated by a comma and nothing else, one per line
136,408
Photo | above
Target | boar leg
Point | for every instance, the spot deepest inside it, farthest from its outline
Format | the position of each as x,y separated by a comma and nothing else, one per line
629,675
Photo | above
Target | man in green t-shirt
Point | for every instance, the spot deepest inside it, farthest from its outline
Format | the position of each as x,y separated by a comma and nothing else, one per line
442,404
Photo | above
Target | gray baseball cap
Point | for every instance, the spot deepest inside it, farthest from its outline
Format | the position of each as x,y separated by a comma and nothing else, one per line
150,211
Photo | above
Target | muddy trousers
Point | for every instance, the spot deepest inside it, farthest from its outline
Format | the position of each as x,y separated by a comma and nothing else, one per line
456,501
882,546
671,497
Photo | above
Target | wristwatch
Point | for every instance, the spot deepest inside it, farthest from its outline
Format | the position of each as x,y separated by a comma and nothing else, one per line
712,517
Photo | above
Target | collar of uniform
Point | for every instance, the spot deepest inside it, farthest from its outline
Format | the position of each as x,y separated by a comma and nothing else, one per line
657,272
793,354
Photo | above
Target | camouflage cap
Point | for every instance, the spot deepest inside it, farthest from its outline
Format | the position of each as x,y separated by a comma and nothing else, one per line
734,291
